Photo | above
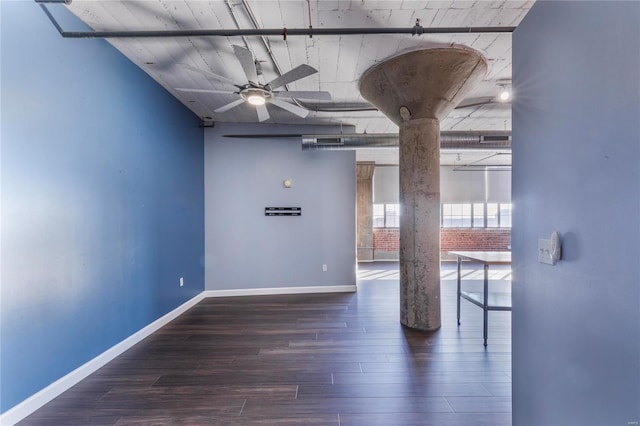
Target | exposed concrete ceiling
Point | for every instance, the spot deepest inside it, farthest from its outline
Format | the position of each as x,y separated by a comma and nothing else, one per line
341,60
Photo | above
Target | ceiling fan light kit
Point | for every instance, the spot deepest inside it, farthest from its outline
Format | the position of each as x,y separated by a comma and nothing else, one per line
256,100
255,96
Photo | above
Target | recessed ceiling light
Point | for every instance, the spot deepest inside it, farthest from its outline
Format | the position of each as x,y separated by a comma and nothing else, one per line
505,95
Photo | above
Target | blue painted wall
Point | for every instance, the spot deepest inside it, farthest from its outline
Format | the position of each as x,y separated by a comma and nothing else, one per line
243,176
102,201
576,169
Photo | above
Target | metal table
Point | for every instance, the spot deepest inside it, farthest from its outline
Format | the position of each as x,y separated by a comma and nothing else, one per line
488,301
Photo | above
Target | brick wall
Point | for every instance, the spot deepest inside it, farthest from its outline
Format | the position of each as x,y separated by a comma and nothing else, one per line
386,241
481,239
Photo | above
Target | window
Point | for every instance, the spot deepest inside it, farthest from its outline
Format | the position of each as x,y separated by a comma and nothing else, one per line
392,215
386,215
378,215
505,215
446,215
453,215
456,215
493,220
476,215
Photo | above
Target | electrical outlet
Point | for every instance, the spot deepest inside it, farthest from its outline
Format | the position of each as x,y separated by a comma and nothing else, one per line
324,268
181,281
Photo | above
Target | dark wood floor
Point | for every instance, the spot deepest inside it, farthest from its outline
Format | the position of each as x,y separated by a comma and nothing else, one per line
321,359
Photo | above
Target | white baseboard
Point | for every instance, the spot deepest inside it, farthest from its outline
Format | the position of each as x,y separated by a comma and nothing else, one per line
37,400
280,290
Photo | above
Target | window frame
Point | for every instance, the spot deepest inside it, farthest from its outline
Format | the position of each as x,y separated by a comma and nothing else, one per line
502,211
385,216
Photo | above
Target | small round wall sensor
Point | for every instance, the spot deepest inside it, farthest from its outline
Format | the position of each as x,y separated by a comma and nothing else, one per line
287,183
405,113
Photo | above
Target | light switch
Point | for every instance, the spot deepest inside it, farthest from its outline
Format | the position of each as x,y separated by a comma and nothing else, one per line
544,252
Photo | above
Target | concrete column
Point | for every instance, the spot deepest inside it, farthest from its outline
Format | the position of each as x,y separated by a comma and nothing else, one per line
420,223
416,90
364,195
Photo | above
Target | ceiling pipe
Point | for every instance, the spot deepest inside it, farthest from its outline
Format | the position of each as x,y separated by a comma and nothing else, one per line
265,41
283,32
235,21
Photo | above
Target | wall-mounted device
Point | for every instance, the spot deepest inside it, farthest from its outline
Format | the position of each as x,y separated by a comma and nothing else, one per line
283,211
550,251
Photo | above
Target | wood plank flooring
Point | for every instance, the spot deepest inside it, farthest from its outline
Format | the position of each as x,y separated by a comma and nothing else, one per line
319,359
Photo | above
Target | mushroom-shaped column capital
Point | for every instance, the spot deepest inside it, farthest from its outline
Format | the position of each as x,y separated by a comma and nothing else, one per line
425,83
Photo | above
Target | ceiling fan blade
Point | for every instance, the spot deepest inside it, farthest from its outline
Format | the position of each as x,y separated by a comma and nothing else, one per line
246,60
263,114
228,106
294,109
301,71
320,96
209,74
182,89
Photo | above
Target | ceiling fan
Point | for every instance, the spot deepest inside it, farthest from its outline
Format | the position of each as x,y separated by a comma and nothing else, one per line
258,94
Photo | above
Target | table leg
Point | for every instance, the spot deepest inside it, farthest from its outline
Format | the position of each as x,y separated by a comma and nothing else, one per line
458,262
486,302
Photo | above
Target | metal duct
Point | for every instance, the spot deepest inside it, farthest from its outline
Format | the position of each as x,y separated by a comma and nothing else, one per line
458,140
349,141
